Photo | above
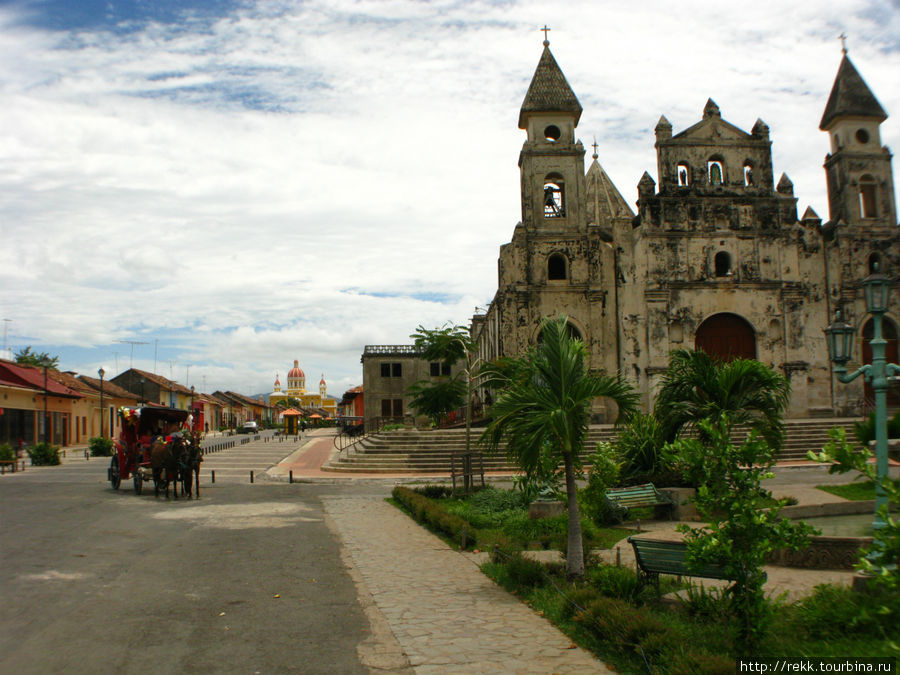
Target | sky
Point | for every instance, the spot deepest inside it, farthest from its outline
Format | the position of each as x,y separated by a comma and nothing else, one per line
211,189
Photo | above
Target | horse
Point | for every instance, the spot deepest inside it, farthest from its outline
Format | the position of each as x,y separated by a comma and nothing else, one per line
165,459
190,466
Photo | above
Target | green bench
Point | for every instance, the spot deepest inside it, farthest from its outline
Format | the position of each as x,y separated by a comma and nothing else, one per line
658,556
621,500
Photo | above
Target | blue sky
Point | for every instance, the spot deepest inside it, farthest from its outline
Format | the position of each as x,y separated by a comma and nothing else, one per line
239,184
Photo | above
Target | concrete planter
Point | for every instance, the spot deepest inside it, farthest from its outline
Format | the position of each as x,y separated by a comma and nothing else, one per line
684,508
540,509
823,553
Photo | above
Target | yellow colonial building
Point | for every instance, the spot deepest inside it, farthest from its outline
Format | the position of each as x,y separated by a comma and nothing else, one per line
296,393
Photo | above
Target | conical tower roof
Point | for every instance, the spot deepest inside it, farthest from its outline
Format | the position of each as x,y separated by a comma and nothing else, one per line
604,201
549,91
850,96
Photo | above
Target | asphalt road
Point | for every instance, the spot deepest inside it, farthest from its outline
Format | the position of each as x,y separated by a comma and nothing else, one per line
248,579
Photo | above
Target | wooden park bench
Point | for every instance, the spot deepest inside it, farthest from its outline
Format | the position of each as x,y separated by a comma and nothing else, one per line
658,556
621,500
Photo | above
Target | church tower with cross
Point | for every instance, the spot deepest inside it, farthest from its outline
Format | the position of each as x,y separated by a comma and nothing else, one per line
559,260
716,255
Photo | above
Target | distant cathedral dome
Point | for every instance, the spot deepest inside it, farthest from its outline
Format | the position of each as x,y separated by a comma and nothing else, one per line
295,371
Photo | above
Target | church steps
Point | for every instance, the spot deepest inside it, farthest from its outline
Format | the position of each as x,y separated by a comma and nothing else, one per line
430,451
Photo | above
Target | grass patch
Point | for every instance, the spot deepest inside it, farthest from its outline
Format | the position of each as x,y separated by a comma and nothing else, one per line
856,491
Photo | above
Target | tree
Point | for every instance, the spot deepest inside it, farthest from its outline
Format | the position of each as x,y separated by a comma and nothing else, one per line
697,387
437,400
43,359
744,525
448,345
544,406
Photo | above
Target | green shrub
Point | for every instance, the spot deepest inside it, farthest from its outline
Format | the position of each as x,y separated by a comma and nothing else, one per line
525,572
630,629
492,499
6,452
614,582
865,431
834,611
640,447
44,454
434,491
100,447
708,604
426,511
603,474
691,663
578,599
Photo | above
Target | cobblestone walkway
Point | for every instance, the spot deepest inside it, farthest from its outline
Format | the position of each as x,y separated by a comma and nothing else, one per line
446,615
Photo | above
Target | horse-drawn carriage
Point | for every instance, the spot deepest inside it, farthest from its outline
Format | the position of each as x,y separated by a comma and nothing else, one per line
157,444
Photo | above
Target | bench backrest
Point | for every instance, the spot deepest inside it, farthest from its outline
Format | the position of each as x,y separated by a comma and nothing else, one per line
669,557
636,494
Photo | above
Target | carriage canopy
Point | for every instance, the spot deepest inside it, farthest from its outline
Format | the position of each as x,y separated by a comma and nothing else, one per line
149,420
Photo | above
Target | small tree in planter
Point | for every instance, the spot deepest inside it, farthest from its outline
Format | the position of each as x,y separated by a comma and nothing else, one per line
44,454
100,447
743,528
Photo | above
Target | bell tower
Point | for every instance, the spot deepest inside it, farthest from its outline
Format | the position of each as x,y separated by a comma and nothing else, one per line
858,168
551,163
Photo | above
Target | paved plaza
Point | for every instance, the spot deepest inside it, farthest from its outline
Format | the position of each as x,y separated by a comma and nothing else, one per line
428,607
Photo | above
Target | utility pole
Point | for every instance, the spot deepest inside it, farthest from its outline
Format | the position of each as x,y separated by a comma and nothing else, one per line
6,354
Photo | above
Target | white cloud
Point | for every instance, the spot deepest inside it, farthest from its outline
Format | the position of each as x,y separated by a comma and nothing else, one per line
285,181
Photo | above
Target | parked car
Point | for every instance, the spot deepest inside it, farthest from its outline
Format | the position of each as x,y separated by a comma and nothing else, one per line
250,428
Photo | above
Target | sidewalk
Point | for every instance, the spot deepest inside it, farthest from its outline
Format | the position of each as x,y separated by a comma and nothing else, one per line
447,616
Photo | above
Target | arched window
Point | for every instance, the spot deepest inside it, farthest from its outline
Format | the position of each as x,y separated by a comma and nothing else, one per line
875,263
684,174
715,169
748,174
573,332
726,336
552,133
554,196
722,264
556,267
867,208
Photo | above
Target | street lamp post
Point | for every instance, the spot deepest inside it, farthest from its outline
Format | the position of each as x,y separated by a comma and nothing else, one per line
194,421
101,373
839,337
142,391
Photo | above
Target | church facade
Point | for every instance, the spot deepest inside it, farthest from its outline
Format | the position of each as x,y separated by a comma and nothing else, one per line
715,255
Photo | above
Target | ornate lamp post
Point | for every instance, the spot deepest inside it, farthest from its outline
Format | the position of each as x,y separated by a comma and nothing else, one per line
839,337
101,373
194,421
142,391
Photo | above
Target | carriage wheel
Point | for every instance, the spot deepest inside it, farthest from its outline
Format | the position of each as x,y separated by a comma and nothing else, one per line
115,478
138,482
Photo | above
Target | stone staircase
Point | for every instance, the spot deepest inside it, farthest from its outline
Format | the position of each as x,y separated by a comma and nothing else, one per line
429,452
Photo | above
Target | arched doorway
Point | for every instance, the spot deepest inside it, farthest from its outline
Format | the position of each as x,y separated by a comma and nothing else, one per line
727,336
571,329
889,333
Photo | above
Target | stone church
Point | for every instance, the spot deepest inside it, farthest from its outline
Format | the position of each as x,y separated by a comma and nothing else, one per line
714,257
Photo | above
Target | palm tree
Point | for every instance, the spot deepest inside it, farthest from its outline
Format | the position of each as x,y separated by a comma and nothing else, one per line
544,406
697,387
